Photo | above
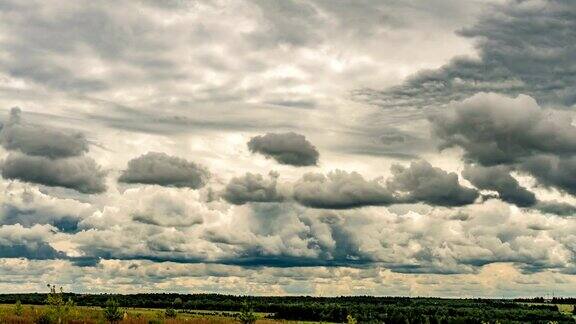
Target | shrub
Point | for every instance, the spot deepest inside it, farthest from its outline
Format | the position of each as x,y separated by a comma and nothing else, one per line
170,312
18,309
247,316
113,313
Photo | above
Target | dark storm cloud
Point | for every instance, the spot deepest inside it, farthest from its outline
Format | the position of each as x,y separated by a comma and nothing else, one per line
165,170
78,173
498,179
286,148
252,188
421,182
38,140
524,47
340,190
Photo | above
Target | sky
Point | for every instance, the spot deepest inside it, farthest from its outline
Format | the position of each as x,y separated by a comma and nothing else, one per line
289,147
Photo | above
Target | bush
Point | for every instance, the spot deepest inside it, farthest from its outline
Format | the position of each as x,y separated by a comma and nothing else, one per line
247,316
113,313
18,309
170,312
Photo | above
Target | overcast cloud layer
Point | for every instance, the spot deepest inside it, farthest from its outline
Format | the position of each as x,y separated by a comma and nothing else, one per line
289,147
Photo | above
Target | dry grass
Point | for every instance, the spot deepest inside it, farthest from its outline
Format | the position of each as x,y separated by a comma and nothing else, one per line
93,315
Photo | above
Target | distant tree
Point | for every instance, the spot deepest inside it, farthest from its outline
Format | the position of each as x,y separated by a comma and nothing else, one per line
18,309
247,315
170,312
177,303
113,313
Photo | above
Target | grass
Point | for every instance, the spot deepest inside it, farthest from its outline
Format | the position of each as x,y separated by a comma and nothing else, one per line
93,315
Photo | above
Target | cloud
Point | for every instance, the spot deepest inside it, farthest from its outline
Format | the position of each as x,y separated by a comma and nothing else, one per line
514,132
286,148
494,129
498,179
288,235
348,190
421,182
17,241
165,170
340,190
48,156
253,188
17,135
168,208
78,173
556,207
554,171
520,45
25,204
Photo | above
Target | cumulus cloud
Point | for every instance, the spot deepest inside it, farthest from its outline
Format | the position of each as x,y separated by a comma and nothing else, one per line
38,140
24,204
499,179
168,208
253,188
165,170
347,190
340,190
421,182
556,207
553,171
48,156
17,241
494,129
287,235
286,148
514,132
78,173
520,45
